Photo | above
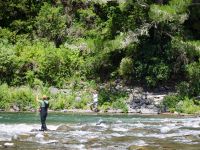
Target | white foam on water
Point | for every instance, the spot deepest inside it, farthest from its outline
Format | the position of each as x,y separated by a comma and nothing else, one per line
117,135
183,140
39,135
139,124
75,146
11,130
80,132
118,121
192,123
103,125
177,134
48,142
120,129
165,129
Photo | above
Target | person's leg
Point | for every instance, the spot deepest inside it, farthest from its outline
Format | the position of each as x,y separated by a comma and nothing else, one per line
43,115
44,123
42,120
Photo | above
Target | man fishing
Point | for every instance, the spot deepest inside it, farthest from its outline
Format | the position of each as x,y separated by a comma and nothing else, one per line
44,105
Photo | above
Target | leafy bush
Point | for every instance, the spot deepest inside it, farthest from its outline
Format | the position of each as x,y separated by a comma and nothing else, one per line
126,67
23,97
181,104
112,99
120,104
106,106
8,61
183,89
157,73
51,22
5,97
103,96
187,106
171,101
193,71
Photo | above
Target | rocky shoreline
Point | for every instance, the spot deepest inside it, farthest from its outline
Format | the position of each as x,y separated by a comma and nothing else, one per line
109,112
139,101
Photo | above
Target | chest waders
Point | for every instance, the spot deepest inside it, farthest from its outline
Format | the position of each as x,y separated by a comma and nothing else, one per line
43,116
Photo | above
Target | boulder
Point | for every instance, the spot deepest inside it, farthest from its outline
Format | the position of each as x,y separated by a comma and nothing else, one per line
148,111
197,98
78,99
15,108
53,90
148,101
115,111
64,128
136,100
64,110
134,110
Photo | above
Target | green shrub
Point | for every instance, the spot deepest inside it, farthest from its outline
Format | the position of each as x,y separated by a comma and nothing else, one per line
120,104
183,89
126,67
58,103
5,97
105,107
51,22
171,101
157,73
187,106
8,62
103,96
23,97
62,101
193,71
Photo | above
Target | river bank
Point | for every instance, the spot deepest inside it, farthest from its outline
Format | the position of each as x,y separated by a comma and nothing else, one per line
115,98
111,112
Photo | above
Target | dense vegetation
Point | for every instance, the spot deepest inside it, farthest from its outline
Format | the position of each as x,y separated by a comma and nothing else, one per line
65,43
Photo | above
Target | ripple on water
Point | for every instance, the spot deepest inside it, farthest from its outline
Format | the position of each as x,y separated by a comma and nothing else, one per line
114,135
139,143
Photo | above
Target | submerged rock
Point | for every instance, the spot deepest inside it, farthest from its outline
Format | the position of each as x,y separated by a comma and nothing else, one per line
34,130
64,128
24,136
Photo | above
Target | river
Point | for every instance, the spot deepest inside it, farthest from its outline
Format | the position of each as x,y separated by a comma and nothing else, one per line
99,132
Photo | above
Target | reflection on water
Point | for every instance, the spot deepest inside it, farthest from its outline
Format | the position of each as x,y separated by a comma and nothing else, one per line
109,132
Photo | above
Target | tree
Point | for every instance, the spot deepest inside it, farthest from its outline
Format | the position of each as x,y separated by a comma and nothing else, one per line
51,23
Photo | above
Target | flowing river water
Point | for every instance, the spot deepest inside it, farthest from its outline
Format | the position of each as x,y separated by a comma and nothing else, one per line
99,132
